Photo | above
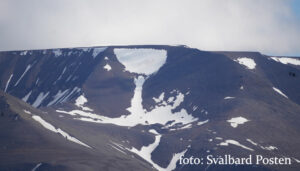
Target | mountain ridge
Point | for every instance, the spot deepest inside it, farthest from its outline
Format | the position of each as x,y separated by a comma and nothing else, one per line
193,102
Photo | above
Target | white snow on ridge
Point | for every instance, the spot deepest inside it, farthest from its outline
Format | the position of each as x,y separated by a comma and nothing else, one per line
96,51
248,62
107,67
39,99
142,60
234,122
293,61
280,92
84,49
27,68
227,142
57,52
7,83
23,53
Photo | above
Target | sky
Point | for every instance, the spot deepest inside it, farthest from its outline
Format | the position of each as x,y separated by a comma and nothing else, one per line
269,26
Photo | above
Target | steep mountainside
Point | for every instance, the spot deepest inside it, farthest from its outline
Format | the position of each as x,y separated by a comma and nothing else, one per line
145,106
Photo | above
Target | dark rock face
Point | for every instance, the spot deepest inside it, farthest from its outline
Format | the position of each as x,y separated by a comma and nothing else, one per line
219,90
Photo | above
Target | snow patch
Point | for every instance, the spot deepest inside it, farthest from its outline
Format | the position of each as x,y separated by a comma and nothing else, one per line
153,131
96,51
227,142
107,67
202,122
160,98
65,68
85,49
7,83
141,61
75,90
39,99
248,62
57,52
270,148
27,68
296,160
57,97
293,61
234,122
25,98
228,97
195,108
58,130
36,167
252,142
280,92
28,112
146,151
23,53
80,101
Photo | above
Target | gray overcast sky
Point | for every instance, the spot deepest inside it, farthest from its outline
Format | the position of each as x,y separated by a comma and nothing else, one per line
268,26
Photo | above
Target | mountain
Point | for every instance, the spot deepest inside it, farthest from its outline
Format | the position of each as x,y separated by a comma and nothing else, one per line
145,107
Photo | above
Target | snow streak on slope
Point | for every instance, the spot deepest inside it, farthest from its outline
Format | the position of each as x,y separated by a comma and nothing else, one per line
280,92
27,68
25,98
36,167
293,61
53,129
57,97
141,61
7,83
39,99
248,62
